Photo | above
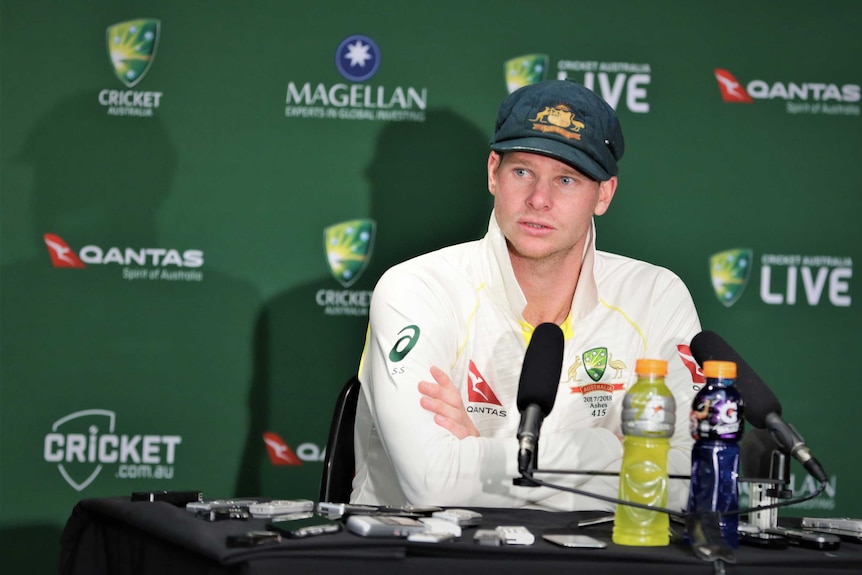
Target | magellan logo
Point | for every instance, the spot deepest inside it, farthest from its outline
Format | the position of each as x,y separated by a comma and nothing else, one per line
357,59
804,276
348,248
560,120
729,271
167,264
132,49
525,70
82,443
800,97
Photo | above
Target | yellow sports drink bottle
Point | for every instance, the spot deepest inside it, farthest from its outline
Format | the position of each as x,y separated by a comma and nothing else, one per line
647,422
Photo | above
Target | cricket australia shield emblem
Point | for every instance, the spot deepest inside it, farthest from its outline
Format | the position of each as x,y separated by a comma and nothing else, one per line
348,249
132,48
595,362
525,70
730,271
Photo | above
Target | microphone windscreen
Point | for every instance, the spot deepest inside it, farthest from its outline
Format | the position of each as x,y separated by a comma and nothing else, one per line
540,373
759,399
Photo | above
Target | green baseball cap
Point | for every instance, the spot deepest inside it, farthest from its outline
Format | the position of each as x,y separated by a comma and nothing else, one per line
565,121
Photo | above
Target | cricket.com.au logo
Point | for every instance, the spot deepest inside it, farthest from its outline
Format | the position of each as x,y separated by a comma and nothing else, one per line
84,443
800,98
131,50
164,264
618,83
357,60
785,279
348,246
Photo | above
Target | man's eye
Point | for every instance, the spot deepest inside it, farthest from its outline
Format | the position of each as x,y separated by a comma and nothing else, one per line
521,172
567,181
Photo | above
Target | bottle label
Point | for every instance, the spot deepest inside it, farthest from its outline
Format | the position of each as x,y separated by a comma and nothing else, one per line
717,414
654,417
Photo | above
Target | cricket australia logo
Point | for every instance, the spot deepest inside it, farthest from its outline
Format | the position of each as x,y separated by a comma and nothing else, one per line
595,362
525,70
730,271
558,120
132,48
348,248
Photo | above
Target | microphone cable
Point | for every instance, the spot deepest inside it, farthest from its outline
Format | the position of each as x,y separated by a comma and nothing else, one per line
528,476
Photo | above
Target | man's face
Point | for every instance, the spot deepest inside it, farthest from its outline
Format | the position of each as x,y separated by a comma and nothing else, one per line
543,206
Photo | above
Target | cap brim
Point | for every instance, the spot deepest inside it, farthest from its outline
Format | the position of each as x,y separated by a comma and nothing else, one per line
557,150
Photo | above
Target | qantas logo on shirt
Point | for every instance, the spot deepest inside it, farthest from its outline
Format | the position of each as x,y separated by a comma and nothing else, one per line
687,358
478,390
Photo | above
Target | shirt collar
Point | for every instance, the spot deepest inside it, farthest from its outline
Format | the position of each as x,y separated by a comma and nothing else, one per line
586,293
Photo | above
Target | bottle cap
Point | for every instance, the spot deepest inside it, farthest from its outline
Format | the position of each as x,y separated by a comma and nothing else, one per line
720,369
651,367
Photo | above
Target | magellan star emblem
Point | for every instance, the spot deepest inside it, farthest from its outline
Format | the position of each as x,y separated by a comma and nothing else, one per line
357,53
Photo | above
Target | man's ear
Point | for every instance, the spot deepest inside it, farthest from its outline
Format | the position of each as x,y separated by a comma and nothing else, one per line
607,189
494,160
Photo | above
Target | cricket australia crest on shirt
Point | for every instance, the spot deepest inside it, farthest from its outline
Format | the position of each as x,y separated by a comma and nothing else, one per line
597,363
479,391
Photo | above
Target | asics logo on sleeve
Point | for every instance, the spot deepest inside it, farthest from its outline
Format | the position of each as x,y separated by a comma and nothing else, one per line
478,390
404,343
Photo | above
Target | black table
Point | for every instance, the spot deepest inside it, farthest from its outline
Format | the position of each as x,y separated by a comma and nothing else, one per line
117,536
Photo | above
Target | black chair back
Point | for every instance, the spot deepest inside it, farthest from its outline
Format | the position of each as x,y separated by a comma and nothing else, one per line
339,464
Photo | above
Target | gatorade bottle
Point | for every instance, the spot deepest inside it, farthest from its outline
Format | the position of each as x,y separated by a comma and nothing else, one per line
717,425
647,421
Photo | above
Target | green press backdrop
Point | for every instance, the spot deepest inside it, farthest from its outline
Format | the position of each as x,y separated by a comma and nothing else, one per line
198,197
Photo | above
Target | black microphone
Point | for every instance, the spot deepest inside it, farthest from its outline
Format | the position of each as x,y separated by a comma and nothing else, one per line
537,389
762,408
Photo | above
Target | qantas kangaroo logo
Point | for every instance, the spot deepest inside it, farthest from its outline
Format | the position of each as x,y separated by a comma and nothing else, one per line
280,452
61,254
731,89
478,390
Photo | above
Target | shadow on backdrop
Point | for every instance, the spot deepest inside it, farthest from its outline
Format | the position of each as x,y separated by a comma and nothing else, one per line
154,352
428,189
